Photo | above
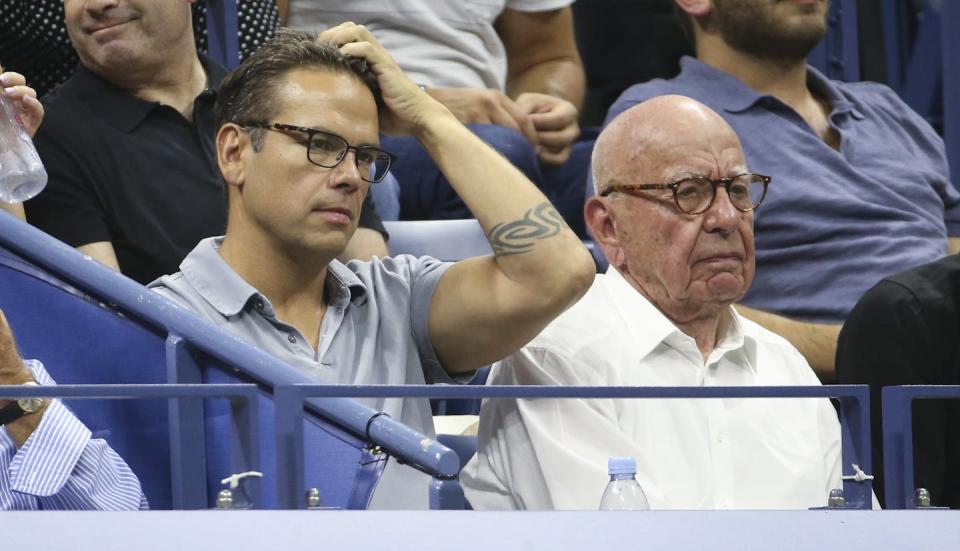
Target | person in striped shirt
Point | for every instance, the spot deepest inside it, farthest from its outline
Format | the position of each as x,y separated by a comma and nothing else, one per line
47,458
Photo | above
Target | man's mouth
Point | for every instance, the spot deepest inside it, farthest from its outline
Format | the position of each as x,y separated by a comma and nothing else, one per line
336,214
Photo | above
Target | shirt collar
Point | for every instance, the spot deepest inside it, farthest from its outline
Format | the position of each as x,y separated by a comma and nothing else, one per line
734,96
648,327
120,108
229,293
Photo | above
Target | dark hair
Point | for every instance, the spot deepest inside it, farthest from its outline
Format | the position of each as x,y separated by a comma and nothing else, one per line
248,93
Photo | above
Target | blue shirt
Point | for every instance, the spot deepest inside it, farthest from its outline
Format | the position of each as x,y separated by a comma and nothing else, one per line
375,331
834,223
61,467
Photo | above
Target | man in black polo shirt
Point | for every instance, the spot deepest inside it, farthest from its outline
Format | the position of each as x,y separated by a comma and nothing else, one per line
128,142
906,331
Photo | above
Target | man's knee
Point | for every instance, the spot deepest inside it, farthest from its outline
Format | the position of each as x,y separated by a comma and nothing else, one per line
512,145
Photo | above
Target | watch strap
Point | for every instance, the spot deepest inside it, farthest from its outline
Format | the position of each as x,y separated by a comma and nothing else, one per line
11,412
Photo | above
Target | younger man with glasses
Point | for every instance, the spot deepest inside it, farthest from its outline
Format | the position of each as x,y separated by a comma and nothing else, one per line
128,142
681,253
297,145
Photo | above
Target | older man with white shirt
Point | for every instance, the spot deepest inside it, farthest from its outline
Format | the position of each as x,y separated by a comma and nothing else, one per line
674,214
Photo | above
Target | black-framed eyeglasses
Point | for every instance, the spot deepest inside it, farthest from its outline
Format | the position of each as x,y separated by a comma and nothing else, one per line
328,150
695,195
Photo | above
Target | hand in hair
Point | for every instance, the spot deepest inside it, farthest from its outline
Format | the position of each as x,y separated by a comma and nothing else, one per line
408,107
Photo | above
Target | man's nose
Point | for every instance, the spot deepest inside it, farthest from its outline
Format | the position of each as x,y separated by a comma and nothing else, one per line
722,216
346,174
99,5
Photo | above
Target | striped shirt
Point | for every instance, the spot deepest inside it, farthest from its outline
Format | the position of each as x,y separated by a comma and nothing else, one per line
61,467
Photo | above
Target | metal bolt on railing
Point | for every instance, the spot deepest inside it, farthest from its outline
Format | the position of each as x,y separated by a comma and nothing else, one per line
836,498
313,498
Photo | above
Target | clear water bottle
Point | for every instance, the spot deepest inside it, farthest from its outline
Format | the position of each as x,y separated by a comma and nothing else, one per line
623,492
21,173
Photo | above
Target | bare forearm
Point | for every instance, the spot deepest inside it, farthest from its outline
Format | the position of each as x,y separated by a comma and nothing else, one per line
562,78
497,194
953,245
816,341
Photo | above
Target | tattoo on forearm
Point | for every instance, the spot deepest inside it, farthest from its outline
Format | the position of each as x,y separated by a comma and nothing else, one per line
519,236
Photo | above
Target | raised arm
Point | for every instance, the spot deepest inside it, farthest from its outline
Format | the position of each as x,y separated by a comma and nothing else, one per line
484,308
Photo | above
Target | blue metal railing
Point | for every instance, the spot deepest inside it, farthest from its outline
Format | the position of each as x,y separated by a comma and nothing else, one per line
189,336
898,480
854,418
184,459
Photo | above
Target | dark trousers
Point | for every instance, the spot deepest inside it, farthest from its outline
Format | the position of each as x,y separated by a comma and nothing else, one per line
425,194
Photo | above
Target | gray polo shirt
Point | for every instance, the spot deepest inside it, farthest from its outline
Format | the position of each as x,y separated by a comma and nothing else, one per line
374,330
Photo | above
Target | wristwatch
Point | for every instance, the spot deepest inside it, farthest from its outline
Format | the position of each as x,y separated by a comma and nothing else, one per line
20,407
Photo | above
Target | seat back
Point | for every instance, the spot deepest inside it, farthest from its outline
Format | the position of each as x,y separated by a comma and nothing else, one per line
448,240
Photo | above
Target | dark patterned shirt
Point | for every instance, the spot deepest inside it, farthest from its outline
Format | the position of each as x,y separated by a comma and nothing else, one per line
35,41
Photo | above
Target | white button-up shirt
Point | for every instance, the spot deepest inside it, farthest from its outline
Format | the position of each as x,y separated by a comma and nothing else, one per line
691,454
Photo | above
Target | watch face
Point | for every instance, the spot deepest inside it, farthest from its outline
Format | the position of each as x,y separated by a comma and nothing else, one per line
30,405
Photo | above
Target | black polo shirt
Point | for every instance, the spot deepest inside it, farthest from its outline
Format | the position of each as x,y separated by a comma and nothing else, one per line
134,173
906,331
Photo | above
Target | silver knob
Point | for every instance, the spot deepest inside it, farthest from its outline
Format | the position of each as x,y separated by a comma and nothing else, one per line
225,499
836,498
313,498
921,497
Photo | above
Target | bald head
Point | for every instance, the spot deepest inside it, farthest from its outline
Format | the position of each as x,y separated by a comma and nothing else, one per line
640,138
690,266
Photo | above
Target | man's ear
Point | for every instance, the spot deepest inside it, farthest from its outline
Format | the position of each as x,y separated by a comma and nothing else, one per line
232,144
696,8
601,223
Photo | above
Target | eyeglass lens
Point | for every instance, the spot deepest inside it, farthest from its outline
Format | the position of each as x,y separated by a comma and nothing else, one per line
328,150
696,194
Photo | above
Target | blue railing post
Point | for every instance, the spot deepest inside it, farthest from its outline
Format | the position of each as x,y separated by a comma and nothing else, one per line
288,405
446,494
897,411
897,443
187,437
855,416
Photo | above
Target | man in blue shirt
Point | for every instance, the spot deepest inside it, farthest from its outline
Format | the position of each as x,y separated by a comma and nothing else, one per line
862,189
47,458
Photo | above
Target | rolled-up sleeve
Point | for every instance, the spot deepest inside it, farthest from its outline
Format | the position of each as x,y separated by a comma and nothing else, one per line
61,467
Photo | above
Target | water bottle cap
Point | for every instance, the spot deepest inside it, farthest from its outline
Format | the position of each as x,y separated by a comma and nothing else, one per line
622,465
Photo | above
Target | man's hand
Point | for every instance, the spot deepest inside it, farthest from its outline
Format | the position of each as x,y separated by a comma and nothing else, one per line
12,370
408,108
555,120
483,106
24,98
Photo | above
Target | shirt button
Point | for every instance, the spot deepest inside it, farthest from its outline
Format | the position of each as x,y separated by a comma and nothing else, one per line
292,338
259,305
